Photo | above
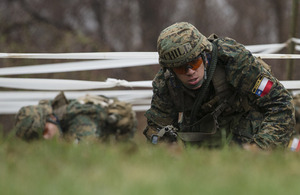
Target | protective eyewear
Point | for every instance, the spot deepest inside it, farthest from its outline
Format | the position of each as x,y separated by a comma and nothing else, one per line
194,65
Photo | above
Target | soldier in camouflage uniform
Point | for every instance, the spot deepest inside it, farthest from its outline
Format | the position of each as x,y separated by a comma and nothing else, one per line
212,91
296,102
87,118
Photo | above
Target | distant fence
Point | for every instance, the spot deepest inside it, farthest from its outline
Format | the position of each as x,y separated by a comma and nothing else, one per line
37,89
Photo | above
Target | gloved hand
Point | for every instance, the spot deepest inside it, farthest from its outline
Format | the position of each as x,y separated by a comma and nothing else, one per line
165,134
251,147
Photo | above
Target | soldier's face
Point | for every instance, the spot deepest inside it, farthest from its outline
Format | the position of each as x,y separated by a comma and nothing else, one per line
192,78
50,131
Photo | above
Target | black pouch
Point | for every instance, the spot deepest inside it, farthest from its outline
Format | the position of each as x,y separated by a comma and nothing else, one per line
248,125
199,131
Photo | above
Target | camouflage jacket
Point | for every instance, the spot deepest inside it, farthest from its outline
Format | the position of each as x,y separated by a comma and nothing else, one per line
296,102
261,116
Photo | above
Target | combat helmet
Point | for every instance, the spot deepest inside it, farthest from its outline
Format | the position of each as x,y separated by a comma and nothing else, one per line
30,121
180,43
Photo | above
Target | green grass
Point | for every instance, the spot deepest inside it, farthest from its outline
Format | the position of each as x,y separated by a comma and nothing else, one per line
52,167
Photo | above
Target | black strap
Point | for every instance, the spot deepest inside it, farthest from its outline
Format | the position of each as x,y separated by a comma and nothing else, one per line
203,89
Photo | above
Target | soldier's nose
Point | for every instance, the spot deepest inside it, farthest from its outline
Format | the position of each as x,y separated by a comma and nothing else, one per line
189,70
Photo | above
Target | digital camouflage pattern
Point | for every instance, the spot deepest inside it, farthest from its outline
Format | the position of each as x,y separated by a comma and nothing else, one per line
88,118
30,121
267,121
117,117
180,43
296,102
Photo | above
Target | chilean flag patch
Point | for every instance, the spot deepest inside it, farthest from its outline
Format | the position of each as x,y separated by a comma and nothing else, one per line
294,145
262,86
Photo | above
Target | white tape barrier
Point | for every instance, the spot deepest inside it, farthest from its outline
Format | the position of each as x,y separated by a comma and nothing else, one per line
278,56
296,92
76,66
130,55
84,55
64,84
291,85
266,48
295,40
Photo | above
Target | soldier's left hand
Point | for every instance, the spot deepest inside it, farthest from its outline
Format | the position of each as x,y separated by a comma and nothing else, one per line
251,147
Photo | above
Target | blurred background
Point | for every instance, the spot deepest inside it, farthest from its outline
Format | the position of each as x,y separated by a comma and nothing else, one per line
55,26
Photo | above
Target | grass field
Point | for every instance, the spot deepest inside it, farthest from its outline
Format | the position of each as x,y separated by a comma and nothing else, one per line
52,167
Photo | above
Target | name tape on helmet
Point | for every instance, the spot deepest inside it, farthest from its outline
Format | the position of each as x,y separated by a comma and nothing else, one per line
178,52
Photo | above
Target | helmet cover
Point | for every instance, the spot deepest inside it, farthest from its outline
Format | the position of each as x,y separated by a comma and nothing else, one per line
180,43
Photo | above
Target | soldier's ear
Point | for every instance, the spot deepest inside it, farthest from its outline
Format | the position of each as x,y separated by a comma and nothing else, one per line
46,132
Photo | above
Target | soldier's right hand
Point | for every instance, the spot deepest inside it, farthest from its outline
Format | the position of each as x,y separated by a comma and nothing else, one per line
166,134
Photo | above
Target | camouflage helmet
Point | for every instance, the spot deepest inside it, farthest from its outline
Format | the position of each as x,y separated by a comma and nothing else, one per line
31,120
180,43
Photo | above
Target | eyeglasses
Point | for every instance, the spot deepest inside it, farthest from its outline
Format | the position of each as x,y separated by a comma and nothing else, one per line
194,65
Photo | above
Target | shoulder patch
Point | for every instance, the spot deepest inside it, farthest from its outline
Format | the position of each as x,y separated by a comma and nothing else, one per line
262,86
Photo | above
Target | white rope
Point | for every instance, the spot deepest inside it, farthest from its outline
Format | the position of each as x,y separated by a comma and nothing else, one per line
64,84
278,56
84,55
295,92
291,85
266,48
76,66
296,40
126,55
